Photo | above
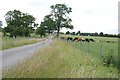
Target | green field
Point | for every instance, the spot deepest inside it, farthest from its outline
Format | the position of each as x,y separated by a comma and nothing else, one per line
61,59
95,47
8,43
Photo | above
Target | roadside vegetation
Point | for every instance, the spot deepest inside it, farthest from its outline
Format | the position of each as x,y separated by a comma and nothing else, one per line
61,60
8,43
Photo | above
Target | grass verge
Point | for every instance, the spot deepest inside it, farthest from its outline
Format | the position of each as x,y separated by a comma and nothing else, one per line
8,43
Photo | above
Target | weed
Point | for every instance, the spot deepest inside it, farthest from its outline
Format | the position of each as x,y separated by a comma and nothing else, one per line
109,59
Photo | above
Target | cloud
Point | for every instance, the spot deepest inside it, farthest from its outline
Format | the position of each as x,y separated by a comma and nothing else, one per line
87,15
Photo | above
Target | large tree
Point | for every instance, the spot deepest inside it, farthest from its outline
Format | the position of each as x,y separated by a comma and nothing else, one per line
59,14
19,23
101,33
41,30
49,23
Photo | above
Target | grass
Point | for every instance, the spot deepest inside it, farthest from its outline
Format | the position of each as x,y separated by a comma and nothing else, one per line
8,43
61,60
96,46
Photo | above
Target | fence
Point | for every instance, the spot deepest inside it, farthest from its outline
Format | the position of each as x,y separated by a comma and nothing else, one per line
108,51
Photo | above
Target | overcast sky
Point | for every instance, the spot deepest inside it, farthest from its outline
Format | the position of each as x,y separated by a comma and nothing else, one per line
87,15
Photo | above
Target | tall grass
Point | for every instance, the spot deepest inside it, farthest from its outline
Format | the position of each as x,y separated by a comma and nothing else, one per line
19,41
61,60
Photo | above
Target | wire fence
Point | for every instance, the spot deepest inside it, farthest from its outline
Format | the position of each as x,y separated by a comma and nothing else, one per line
106,52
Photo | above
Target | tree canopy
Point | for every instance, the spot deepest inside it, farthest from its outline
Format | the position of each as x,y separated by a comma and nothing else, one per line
57,19
49,23
101,34
41,30
67,32
19,23
59,14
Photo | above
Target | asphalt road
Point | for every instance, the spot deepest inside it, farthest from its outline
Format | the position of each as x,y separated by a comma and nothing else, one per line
15,55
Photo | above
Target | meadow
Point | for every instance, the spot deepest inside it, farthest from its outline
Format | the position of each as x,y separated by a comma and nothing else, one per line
95,47
8,43
61,59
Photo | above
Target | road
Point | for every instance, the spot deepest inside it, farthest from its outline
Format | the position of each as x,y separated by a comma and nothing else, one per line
12,56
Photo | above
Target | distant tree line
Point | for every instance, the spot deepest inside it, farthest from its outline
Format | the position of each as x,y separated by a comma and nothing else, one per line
92,34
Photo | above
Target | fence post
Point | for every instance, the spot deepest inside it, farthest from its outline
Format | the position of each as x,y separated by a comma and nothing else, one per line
101,50
88,47
74,44
80,45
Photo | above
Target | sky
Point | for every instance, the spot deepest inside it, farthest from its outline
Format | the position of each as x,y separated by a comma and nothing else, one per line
87,15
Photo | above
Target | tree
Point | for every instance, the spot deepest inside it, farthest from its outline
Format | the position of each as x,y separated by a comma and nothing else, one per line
7,30
18,21
49,23
67,32
35,24
13,18
41,31
119,35
101,34
1,24
73,33
78,33
59,14
96,34
92,34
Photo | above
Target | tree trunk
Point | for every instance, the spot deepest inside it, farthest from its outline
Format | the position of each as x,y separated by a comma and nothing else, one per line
44,35
4,33
58,31
49,32
40,35
58,25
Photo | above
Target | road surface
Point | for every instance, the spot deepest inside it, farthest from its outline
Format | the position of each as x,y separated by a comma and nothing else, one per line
12,56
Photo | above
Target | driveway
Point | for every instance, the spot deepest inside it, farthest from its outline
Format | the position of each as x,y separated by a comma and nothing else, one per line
19,54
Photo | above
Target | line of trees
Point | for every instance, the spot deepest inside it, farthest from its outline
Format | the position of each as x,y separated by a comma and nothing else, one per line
92,34
23,24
